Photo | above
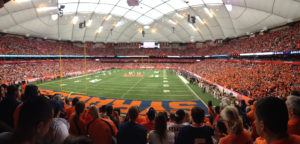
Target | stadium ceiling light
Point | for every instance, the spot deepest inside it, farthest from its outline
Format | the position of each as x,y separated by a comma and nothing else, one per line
153,30
192,26
228,7
179,15
75,19
146,27
199,19
20,1
54,17
100,29
140,30
108,17
89,23
43,9
172,22
208,12
119,23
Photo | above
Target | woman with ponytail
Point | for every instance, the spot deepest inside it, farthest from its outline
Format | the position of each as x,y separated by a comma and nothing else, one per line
237,133
161,135
78,125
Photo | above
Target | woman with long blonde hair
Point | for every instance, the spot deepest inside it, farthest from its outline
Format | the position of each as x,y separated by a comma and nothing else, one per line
233,121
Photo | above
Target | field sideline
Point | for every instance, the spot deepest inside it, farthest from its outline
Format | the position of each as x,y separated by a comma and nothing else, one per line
144,85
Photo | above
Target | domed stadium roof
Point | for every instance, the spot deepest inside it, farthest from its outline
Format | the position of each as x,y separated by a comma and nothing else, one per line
161,20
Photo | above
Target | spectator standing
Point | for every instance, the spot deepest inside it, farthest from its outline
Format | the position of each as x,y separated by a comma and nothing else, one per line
237,134
178,124
149,124
99,130
9,105
272,122
160,135
293,105
59,128
77,124
130,132
33,125
198,132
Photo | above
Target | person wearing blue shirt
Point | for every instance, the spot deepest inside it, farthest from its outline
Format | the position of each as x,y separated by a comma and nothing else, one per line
9,104
198,132
130,132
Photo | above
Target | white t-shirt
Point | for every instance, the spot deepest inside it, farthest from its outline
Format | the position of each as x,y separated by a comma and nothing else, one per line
174,127
58,132
154,138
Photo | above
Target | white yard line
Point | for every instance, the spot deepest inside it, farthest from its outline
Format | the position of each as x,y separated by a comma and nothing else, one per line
195,94
131,87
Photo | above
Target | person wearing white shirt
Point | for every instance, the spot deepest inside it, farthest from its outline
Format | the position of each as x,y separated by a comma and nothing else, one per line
160,135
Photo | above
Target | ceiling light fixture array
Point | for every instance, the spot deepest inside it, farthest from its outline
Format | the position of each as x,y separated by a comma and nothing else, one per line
75,19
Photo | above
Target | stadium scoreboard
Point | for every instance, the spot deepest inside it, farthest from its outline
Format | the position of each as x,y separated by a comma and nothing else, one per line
149,45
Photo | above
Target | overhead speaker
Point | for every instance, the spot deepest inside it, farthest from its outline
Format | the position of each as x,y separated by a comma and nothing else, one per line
133,2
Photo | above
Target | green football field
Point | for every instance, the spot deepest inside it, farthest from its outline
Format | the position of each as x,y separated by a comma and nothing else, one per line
155,85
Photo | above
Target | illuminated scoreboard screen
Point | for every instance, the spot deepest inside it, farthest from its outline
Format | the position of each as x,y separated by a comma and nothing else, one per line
149,45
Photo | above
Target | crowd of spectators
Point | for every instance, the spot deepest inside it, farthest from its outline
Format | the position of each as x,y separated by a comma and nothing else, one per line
17,72
250,79
27,117
287,39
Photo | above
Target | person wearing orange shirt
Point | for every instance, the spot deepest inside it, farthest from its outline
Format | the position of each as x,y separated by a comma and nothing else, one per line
293,105
141,119
218,116
24,84
272,122
149,124
237,134
77,124
99,130
71,110
112,124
